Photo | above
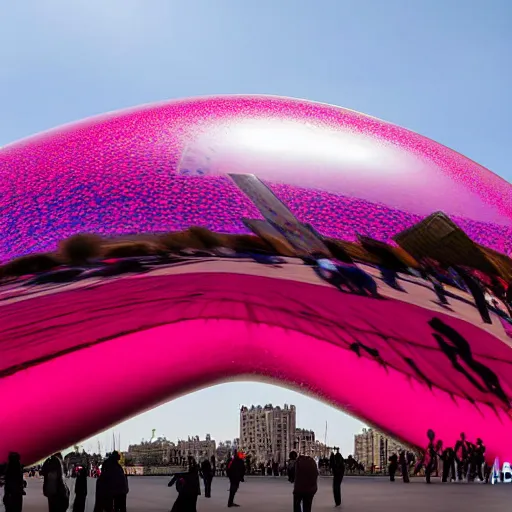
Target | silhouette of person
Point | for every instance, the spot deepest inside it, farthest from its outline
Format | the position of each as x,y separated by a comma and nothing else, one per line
461,456
291,466
476,291
235,472
305,485
115,484
207,473
393,466
54,486
338,472
404,466
213,463
80,491
14,485
275,468
182,501
478,459
448,459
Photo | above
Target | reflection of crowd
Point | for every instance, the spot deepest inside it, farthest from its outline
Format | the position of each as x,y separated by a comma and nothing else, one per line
490,293
465,462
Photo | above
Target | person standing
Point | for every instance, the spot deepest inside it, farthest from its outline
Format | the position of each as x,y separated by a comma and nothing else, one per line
338,472
479,459
404,466
80,491
393,466
305,485
14,484
54,486
291,466
115,483
448,458
461,457
207,473
235,472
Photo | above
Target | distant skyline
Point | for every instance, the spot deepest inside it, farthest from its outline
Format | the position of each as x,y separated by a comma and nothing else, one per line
440,68
216,411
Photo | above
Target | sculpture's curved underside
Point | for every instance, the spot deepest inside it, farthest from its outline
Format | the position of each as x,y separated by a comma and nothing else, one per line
75,359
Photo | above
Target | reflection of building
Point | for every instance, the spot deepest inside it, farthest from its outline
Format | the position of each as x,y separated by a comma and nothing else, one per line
159,451
373,449
306,444
198,448
225,449
268,432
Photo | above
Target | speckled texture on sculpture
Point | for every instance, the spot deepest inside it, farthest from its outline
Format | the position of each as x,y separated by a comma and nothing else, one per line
123,173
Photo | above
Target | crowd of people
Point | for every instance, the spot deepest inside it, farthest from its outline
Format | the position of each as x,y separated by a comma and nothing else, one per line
489,293
465,462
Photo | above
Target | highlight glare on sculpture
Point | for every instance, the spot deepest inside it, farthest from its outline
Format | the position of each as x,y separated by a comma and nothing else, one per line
403,362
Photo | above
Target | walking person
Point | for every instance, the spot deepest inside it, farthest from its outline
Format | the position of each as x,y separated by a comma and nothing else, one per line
187,486
433,451
305,485
207,474
235,472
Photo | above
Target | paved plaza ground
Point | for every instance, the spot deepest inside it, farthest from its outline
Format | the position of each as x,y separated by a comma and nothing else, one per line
266,494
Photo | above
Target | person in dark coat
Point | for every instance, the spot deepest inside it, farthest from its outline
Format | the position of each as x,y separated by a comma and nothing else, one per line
213,463
207,474
235,472
54,486
393,466
291,466
448,458
305,485
478,459
115,484
462,456
183,501
14,485
338,472
80,491
404,466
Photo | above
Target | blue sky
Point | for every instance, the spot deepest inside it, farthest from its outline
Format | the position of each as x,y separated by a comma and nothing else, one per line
441,68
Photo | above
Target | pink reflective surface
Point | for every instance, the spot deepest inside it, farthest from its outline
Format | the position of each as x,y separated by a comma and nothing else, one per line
163,167
234,319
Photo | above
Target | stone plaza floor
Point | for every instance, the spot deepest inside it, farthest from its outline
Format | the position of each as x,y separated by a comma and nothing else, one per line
266,494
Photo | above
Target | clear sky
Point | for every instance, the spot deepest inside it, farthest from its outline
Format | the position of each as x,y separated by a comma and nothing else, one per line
439,67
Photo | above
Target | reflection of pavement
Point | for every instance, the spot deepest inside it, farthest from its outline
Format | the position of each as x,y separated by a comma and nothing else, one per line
360,494
418,292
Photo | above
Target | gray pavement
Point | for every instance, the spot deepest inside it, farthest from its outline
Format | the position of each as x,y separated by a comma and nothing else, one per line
360,494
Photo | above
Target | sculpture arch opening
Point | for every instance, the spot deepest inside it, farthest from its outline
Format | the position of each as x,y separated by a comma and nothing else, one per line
166,335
